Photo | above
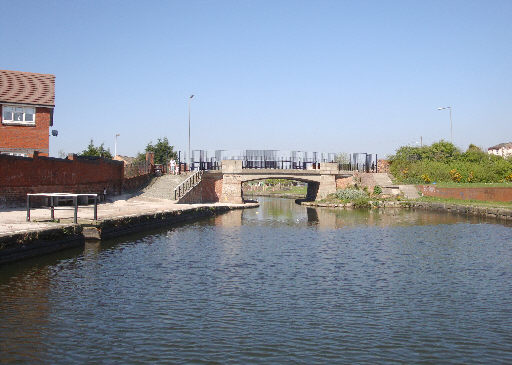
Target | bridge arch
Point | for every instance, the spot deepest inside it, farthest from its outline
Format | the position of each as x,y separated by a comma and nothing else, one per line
312,184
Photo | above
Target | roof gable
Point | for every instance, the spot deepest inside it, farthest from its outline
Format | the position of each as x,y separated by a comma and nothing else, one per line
27,88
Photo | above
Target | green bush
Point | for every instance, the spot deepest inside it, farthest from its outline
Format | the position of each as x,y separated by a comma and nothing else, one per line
377,190
412,164
351,194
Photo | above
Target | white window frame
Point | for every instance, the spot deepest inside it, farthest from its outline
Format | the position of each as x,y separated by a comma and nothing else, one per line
24,109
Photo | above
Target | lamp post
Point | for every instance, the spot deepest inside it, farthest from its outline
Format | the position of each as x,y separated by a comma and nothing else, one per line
189,155
451,124
115,143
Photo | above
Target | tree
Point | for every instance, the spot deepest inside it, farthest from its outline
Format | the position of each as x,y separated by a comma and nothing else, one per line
162,150
99,151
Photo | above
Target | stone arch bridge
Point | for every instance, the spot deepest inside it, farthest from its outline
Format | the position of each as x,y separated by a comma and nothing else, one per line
225,185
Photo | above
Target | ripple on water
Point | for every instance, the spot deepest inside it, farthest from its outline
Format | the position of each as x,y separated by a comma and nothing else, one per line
271,287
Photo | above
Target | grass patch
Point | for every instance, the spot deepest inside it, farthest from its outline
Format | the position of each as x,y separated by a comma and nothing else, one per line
477,203
471,185
293,190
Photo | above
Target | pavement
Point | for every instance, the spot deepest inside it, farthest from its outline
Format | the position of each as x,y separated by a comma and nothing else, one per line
13,220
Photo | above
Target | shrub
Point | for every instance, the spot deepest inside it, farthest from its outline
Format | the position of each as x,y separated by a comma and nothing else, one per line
377,190
362,203
350,194
426,179
442,162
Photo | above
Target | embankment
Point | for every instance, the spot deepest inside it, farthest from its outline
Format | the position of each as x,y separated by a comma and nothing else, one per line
503,214
21,245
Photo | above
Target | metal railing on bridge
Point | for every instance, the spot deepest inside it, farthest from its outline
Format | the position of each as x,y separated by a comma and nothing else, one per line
285,160
185,186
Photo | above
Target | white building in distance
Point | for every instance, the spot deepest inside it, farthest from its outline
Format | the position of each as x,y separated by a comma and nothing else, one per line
502,149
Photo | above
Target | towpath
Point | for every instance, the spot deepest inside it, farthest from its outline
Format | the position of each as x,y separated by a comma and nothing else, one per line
14,220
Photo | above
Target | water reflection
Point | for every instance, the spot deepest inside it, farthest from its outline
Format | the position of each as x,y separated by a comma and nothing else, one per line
278,284
286,211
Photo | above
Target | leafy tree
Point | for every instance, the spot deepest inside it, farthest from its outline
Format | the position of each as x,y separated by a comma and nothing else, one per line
162,150
99,151
474,154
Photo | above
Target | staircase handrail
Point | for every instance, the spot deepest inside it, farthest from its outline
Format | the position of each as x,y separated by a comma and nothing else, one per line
187,184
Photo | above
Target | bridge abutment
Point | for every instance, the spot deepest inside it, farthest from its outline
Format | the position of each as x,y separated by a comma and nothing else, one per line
231,189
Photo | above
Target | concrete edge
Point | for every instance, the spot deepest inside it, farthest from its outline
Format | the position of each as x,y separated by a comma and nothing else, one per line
465,210
24,245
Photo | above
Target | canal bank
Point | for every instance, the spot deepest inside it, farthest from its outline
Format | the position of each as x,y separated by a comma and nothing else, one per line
20,239
504,214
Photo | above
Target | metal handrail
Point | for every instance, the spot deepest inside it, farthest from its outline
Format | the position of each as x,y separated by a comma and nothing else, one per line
187,184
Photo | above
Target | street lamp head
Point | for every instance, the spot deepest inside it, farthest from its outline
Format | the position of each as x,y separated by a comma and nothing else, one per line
191,96
444,107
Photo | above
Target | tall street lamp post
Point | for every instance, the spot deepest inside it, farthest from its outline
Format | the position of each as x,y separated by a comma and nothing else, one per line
189,155
451,124
115,143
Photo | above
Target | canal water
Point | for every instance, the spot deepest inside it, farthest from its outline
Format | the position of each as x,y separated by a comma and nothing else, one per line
277,284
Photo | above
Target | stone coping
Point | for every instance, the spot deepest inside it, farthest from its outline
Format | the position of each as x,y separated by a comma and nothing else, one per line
467,210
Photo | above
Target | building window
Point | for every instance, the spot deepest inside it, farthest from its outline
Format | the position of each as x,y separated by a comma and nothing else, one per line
21,115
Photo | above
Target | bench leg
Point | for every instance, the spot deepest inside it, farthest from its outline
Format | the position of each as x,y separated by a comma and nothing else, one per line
75,202
28,208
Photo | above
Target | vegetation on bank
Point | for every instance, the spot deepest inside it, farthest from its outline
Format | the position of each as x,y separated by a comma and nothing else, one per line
277,187
477,203
359,198
444,162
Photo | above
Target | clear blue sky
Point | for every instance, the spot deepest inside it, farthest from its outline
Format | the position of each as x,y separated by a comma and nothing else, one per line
338,76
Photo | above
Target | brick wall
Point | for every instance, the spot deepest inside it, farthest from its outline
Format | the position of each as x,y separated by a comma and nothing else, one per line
26,139
344,182
22,175
383,166
135,183
500,194
209,190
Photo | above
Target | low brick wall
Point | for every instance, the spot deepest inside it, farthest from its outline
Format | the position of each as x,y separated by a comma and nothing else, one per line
344,182
383,166
498,194
135,183
209,190
22,175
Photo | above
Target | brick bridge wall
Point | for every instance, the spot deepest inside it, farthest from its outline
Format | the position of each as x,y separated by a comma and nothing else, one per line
500,194
22,175
209,190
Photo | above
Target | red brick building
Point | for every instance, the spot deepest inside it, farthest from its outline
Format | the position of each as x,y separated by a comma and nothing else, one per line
27,101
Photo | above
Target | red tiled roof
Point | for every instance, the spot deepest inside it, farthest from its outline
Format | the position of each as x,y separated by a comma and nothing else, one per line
501,145
27,88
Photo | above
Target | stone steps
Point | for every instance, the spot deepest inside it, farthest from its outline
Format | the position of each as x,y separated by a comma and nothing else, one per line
162,187
409,191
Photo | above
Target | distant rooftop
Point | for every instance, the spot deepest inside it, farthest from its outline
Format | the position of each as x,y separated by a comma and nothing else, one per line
501,145
27,88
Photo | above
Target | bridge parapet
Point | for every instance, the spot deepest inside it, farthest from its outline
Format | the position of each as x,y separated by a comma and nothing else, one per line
236,167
